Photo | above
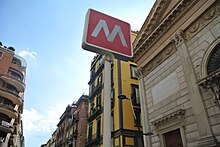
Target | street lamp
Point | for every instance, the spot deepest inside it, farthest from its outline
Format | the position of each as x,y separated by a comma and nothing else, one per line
123,97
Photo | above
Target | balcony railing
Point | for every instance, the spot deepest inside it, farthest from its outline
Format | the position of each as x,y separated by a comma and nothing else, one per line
14,80
9,107
96,90
94,139
94,113
94,76
21,61
6,126
11,95
15,93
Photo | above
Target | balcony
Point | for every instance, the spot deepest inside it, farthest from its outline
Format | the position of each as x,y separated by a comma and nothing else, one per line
94,139
94,76
96,91
8,110
14,80
95,112
19,61
11,95
6,127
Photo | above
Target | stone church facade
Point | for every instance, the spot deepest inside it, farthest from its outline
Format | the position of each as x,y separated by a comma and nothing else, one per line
177,52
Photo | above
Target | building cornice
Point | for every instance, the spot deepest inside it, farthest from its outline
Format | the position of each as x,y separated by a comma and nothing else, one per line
146,40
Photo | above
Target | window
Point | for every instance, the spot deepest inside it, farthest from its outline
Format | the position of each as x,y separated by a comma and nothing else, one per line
112,121
100,61
91,108
11,88
112,97
214,62
16,74
92,72
16,61
92,87
133,69
112,93
98,131
112,76
99,81
6,102
135,95
90,133
98,101
138,117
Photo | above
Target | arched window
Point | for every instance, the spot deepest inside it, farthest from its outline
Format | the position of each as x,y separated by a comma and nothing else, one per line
213,65
212,79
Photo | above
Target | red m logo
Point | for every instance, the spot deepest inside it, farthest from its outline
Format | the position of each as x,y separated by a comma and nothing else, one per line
103,33
110,36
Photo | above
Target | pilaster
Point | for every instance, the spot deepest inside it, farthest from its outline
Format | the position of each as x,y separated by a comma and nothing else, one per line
206,135
144,110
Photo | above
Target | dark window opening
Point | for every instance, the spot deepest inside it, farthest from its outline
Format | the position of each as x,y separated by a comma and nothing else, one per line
133,69
135,95
98,131
98,101
16,61
16,74
90,133
214,62
11,88
138,118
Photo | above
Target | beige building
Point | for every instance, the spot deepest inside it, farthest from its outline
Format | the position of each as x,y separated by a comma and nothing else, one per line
177,52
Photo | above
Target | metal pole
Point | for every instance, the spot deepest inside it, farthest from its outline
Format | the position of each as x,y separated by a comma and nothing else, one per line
107,103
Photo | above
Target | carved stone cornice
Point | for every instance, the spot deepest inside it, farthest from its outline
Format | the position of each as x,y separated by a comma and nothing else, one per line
151,21
157,60
208,16
147,41
175,115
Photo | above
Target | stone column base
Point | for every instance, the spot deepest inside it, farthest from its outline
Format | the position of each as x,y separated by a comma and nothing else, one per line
208,141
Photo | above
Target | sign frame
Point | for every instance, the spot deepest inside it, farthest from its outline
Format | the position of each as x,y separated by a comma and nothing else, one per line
116,37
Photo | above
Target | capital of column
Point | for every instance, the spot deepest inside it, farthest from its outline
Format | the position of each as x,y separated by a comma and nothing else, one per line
178,38
139,72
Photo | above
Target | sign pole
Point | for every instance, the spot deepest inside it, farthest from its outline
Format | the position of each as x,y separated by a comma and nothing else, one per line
107,43
107,102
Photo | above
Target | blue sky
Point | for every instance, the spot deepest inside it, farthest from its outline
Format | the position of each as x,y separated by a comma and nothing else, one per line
48,34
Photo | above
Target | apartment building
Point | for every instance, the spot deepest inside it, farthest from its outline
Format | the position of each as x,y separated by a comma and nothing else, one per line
125,102
177,52
12,87
71,129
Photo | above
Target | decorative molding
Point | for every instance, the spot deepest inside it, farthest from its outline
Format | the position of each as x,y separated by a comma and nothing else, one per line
208,140
146,41
208,16
178,38
157,60
177,114
139,72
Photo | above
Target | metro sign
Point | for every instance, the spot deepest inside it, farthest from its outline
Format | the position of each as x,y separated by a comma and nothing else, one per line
103,34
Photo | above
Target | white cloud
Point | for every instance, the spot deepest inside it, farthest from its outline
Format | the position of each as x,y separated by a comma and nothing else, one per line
30,117
36,122
27,53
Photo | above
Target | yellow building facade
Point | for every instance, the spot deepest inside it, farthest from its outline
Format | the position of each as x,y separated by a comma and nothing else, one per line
125,104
